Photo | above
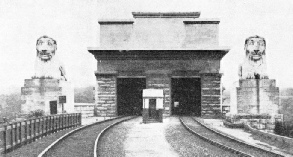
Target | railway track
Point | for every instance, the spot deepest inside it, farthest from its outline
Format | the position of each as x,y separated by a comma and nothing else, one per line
82,141
224,142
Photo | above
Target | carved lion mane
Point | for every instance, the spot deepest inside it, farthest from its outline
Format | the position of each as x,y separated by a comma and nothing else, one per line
46,64
254,65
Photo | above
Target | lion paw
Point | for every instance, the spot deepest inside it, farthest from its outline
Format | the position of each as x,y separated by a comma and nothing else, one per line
250,76
264,76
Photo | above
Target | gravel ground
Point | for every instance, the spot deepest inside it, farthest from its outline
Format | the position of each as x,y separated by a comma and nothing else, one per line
230,143
35,148
189,145
81,143
111,144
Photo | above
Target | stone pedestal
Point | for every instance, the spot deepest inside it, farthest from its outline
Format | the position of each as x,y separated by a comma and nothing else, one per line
38,93
256,96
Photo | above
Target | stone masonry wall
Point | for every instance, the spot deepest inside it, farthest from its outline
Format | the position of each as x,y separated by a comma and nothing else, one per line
210,95
106,96
37,94
257,96
161,82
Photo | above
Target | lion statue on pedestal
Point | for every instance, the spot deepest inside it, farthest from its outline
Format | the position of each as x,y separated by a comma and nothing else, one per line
46,64
254,65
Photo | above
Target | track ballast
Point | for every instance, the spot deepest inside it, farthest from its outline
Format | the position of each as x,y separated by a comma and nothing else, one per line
224,142
80,142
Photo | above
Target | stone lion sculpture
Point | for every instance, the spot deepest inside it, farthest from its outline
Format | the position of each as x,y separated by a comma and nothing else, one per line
254,65
46,64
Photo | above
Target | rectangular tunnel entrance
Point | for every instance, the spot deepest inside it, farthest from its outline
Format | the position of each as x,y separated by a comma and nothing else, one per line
186,96
129,95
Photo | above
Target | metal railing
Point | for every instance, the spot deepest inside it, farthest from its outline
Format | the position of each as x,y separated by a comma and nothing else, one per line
16,134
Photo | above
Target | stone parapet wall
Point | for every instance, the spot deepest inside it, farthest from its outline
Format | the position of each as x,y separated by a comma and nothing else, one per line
86,109
106,96
161,82
258,121
283,140
210,95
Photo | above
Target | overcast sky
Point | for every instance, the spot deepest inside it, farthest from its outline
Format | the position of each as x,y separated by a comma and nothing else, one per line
74,24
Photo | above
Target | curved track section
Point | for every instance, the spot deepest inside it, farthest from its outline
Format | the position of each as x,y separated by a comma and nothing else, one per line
222,141
98,139
81,141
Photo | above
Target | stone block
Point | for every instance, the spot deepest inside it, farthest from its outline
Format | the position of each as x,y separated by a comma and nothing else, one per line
101,108
212,77
209,85
110,102
216,105
216,109
104,114
211,92
210,98
39,90
111,114
256,82
204,103
41,82
216,101
111,111
106,105
106,93
203,109
209,112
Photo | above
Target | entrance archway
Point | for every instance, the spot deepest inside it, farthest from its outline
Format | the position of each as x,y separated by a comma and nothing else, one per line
186,96
129,95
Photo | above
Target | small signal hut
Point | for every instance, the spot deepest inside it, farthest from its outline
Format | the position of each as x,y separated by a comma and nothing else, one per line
153,100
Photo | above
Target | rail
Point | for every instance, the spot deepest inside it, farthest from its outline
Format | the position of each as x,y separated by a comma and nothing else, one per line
98,139
277,153
89,146
237,152
14,135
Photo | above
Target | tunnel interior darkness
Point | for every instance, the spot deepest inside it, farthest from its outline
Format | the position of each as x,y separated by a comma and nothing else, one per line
129,96
186,92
